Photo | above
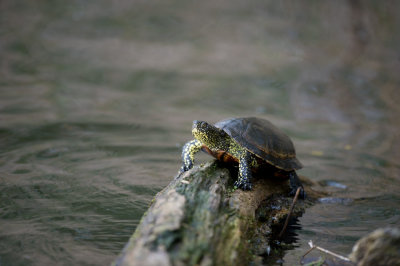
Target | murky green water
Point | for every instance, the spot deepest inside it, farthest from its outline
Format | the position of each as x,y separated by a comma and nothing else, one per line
97,97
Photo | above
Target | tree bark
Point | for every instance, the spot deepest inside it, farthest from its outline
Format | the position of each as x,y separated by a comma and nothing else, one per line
200,219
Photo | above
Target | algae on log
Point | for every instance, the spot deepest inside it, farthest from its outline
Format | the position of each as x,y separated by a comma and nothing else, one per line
199,219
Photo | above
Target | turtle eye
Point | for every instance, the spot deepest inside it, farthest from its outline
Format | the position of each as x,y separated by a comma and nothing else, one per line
201,124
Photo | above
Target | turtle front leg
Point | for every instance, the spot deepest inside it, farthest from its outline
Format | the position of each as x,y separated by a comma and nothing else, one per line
295,183
244,178
188,152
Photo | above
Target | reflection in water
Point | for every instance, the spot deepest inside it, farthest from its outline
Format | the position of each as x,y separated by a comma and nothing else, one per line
96,100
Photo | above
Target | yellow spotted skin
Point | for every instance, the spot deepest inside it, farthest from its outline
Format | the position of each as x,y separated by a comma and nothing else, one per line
216,139
188,152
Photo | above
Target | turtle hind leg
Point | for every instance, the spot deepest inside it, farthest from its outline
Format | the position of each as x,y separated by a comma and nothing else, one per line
188,152
295,183
245,176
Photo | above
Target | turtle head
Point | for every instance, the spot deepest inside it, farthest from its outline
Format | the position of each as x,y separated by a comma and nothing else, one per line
208,134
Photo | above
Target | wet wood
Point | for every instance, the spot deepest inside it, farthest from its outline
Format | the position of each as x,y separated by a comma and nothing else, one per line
199,219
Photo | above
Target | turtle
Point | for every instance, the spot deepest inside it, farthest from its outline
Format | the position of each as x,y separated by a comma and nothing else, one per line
252,142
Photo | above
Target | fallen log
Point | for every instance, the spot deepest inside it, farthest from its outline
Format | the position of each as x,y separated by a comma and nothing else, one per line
200,219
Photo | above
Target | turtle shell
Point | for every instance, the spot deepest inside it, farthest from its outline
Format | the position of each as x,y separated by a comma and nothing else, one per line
262,138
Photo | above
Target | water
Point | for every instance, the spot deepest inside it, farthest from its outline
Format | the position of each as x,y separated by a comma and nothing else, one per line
97,98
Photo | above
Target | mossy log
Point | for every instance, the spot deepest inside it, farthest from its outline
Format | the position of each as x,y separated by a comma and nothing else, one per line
200,219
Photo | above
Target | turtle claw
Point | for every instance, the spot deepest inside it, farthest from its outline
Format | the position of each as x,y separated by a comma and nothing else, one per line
302,193
244,185
185,168
295,183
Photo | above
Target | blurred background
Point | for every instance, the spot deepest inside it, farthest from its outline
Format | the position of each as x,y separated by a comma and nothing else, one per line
97,99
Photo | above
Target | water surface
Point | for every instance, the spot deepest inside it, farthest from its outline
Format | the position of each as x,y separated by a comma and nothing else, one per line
97,98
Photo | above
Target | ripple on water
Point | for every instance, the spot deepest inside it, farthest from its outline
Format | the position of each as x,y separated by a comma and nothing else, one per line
74,190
